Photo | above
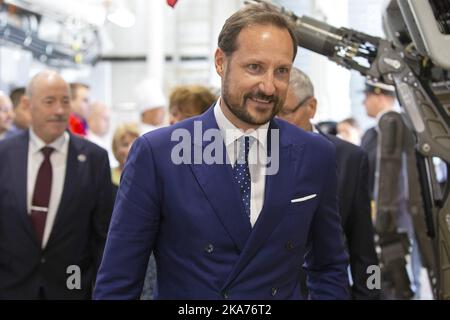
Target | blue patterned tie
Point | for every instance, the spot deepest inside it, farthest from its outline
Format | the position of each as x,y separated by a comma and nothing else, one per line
242,172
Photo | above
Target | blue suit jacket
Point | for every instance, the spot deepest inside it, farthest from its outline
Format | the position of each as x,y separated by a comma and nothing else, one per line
192,217
79,231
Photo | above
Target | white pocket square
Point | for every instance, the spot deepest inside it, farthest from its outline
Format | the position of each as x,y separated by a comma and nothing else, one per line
312,196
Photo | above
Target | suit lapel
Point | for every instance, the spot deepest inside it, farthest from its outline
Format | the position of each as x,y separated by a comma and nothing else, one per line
19,166
216,181
276,199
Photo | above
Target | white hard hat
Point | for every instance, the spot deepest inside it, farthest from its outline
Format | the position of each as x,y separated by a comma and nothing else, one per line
149,95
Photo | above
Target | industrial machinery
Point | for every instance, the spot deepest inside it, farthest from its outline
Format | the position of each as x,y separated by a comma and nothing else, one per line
415,60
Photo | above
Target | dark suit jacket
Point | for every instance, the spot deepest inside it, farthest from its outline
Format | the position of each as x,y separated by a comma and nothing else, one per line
369,144
193,218
354,207
79,231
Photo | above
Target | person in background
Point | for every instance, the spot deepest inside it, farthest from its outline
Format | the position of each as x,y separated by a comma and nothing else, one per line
349,130
189,101
379,99
354,201
98,121
55,201
184,102
80,108
6,116
22,113
151,104
123,138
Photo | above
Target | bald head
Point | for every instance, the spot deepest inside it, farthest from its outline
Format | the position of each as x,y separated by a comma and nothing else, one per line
43,77
99,118
48,97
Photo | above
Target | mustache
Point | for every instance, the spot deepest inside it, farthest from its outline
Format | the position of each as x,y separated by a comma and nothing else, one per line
58,119
261,96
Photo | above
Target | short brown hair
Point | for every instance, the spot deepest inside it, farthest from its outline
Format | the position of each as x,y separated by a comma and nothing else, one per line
191,100
16,95
250,15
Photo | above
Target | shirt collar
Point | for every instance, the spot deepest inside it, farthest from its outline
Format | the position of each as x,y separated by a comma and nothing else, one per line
36,143
314,129
231,133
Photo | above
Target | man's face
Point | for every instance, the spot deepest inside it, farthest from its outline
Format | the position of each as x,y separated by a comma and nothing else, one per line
99,119
255,77
297,112
103,123
6,114
50,107
80,102
123,147
371,103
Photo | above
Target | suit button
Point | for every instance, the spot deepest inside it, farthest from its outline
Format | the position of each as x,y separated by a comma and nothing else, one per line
274,292
209,248
43,260
225,294
289,245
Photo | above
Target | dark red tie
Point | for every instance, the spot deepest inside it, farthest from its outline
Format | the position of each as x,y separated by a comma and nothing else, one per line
41,195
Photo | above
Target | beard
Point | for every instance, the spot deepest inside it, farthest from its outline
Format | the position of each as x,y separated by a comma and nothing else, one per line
240,110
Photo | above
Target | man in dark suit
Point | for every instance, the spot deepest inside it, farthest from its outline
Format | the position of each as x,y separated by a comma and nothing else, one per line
55,202
379,98
221,224
354,202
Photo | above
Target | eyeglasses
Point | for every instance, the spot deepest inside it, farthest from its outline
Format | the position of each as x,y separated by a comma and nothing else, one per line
287,112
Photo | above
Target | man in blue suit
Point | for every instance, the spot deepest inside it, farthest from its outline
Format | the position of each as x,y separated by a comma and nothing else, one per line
232,228
55,202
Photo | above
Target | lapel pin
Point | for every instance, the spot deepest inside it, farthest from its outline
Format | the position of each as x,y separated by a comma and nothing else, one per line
81,158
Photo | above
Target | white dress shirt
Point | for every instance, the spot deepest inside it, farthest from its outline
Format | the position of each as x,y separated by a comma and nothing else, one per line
314,129
257,157
106,143
58,159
